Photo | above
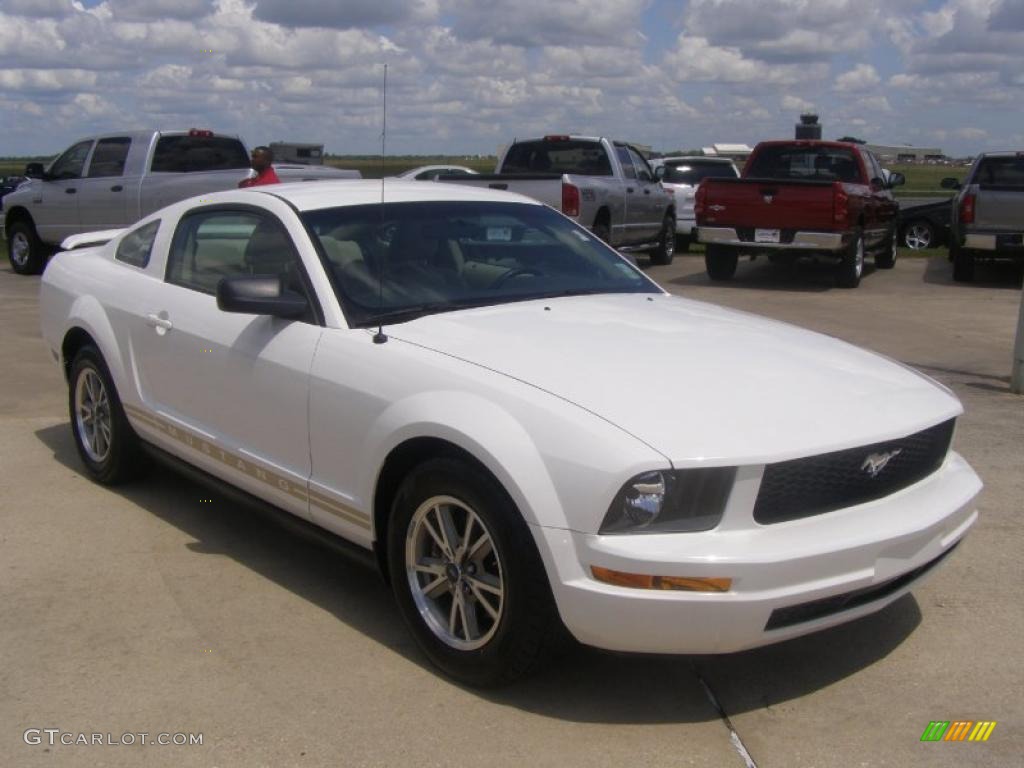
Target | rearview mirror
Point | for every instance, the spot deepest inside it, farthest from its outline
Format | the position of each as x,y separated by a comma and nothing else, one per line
949,183
259,296
35,171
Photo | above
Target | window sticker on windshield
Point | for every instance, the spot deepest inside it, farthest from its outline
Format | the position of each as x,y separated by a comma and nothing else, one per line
502,234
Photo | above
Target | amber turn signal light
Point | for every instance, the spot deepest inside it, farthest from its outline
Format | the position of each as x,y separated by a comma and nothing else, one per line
641,581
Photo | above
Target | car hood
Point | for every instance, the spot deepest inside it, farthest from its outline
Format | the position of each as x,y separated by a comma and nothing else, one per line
696,382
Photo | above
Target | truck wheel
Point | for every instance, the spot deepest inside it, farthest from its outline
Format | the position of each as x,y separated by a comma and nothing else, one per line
105,440
963,263
666,250
602,231
887,259
467,576
26,251
851,267
720,261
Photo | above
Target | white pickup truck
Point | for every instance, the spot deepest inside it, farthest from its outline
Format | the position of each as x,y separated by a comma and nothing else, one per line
110,181
607,186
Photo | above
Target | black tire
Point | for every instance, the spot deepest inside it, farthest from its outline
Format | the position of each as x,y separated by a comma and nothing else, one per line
919,234
963,263
111,454
851,268
720,261
526,627
26,252
666,250
887,258
683,244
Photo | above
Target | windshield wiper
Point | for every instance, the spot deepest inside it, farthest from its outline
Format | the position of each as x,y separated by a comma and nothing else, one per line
414,311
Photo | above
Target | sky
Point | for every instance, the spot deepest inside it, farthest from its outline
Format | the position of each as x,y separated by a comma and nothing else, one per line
467,76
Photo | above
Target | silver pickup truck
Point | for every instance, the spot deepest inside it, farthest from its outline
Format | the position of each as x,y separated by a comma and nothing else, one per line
607,186
110,181
987,218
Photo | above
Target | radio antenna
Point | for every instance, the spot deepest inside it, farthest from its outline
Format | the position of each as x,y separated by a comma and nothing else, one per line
380,337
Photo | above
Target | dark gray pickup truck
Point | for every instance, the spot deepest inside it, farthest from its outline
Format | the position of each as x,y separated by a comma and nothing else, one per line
987,217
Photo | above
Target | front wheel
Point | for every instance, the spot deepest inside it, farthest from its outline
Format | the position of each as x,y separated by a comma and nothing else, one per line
105,440
887,258
467,576
720,261
851,268
25,250
666,250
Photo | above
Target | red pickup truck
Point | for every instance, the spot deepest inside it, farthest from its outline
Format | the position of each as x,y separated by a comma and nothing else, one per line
825,199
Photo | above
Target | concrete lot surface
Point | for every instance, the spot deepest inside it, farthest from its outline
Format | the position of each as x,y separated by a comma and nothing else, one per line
164,608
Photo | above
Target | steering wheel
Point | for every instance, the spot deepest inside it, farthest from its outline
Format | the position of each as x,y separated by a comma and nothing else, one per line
514,273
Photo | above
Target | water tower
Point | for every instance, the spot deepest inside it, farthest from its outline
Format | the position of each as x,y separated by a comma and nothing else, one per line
808,127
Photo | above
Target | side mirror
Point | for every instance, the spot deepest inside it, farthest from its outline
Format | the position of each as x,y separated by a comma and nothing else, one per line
35,171
949,183
896,179
659,172
259,296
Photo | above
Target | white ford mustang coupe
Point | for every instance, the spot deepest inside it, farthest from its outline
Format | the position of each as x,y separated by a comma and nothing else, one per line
526,430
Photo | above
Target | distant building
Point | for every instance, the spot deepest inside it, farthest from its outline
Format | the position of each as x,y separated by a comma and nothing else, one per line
294,152
902,153
732,151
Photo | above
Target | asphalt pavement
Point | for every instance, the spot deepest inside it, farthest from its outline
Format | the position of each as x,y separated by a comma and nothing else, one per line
163,608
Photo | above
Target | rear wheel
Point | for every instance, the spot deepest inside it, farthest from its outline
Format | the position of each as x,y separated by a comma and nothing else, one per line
666,250
963,263
25,250
918,235
105,440
467,576
720,261
851,268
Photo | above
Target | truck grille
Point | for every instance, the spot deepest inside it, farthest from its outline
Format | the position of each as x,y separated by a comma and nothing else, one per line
791,490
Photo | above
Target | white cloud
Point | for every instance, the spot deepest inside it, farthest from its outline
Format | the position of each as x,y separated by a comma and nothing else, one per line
863,77
350,14
536,23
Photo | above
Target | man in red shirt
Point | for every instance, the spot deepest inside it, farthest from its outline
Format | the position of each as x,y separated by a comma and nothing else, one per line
262,157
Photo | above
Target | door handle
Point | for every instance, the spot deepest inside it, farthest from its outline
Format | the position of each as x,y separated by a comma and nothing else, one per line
70,191
116,188
160,323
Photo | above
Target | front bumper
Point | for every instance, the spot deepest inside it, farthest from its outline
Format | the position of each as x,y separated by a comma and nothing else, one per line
809,241
782,574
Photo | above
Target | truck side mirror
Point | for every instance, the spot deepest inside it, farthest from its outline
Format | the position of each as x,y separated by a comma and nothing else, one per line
949,183
896,179
35,171
659,172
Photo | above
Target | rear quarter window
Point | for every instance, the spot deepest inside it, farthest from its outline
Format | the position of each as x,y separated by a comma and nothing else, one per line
1001,172
136,247
192,154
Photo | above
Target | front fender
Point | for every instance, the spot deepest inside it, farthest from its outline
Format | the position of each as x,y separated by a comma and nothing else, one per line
484,430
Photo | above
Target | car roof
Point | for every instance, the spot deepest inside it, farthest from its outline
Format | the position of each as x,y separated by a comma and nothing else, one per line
316,195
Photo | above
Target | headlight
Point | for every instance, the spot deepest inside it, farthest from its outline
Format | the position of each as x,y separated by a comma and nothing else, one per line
671,501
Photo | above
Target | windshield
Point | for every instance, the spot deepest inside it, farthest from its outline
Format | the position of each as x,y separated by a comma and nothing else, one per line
692,173
395,262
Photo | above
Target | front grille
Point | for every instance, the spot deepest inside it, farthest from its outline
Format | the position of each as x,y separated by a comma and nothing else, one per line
828,606
791,490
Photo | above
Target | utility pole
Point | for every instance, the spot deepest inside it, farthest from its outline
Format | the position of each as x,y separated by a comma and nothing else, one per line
1017,377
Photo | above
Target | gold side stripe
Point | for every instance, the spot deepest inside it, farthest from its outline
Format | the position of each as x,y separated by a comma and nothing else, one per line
273,479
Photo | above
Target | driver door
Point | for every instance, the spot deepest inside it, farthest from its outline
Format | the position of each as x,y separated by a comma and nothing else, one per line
55,206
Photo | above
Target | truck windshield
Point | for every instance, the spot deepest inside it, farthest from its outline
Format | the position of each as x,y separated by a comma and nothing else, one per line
586,158
400,261
1001,172
694,173
190,154
805,163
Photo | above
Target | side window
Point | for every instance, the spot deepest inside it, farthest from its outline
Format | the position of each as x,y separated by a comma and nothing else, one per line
109,157
190,154
70,164
643,170
136,246
627,163
212,245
